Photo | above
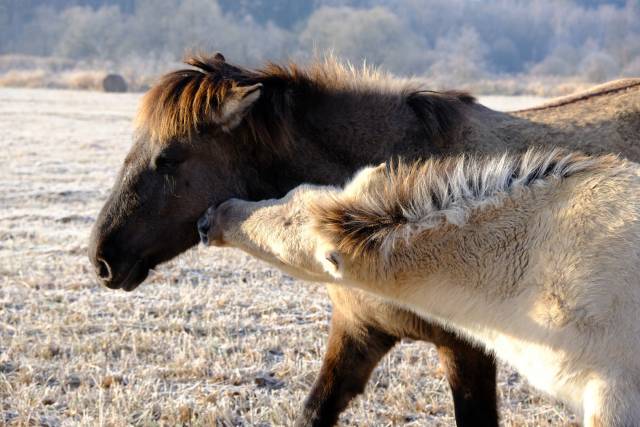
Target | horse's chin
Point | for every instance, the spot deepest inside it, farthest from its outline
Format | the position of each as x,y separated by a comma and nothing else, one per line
128,276
130,279
136,276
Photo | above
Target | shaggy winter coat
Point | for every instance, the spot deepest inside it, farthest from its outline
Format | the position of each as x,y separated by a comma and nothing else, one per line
534,256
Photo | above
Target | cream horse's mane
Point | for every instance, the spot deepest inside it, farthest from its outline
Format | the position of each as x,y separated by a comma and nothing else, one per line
399,200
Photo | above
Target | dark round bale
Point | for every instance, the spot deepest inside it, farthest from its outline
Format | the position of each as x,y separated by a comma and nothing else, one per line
114,83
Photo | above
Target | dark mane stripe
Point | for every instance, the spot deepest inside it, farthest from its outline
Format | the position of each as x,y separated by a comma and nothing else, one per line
406,199
439,112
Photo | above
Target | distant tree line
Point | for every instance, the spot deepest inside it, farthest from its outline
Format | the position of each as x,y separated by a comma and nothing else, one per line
463,39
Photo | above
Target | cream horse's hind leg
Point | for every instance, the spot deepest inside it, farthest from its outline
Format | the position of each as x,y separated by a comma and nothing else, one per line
612,403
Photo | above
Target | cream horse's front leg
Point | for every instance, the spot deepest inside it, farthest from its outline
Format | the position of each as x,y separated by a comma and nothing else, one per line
276,231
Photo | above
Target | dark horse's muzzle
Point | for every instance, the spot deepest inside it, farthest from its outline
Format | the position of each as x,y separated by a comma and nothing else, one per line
113,271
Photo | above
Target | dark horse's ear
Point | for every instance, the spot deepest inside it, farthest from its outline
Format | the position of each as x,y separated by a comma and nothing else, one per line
219,57
236,105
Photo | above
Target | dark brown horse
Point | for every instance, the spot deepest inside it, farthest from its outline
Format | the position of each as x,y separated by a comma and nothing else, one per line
220,131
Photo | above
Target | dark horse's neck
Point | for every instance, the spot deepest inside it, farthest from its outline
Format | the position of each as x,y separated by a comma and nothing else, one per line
333,133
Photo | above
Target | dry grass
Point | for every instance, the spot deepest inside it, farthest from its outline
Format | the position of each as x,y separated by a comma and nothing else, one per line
91,79
78,79
24,71
528,85
214,338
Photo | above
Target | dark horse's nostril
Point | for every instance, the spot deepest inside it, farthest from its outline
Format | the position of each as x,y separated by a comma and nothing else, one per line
103,270
203,229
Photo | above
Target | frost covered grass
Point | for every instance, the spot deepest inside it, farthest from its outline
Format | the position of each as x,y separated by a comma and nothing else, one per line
212,338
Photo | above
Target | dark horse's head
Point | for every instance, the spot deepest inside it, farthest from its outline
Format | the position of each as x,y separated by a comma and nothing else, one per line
219,131
190,152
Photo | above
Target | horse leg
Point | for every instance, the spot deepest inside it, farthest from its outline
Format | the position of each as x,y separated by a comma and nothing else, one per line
353,352
471,374
611,403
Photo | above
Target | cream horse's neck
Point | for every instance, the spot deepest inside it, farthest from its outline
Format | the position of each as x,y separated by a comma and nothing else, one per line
482,281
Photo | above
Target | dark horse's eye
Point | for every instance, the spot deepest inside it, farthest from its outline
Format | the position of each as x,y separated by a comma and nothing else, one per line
169,159
166,165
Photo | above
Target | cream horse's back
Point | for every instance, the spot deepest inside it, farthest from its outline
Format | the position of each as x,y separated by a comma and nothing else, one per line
535,256
588,269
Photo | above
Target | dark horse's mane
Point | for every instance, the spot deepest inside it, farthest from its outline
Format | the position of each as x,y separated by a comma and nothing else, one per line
183,102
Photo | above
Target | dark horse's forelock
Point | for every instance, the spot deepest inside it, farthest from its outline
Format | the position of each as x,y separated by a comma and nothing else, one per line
184,102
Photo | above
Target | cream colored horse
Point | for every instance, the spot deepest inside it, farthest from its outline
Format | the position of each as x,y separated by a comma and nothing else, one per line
535,256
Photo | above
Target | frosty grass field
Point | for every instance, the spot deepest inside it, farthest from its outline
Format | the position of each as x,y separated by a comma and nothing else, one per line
212,338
